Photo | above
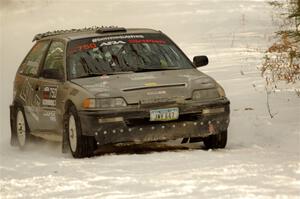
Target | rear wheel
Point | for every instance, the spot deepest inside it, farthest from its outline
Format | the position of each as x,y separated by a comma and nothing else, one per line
21,129
81,146
216,141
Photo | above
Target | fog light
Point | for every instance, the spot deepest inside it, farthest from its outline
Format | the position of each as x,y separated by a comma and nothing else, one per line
110,120
213,110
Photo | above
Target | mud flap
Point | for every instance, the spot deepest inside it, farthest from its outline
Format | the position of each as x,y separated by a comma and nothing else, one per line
65,144
65,140
13,130
184,140
196,139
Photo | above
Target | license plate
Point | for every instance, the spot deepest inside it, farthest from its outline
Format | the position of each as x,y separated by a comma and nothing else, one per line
164,114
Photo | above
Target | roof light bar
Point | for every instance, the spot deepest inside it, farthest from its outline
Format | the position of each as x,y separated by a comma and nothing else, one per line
110,29
97,29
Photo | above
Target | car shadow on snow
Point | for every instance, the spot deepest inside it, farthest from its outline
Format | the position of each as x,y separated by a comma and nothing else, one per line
121,149
145,148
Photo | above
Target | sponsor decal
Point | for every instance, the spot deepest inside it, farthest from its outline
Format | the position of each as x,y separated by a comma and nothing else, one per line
156,100
118,37
33,112
49,102
32,100
155,41
50,114
100,87
103,84
36,101
74,92
82,48
156,93
109,43
26,91
137,78
151,84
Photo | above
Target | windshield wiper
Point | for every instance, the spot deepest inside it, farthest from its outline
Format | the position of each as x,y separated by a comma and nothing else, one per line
101,74
89,75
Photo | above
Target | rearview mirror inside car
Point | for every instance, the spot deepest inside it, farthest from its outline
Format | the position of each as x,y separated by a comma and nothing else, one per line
200,60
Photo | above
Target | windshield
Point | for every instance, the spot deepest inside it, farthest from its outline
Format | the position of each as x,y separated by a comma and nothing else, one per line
122,54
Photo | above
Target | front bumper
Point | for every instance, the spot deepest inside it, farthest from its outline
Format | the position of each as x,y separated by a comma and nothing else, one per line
136,127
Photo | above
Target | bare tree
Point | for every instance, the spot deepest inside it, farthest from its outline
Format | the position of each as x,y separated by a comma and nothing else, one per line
281,62
282,59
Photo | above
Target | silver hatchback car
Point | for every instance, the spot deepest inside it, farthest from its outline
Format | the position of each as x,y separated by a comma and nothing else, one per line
106,85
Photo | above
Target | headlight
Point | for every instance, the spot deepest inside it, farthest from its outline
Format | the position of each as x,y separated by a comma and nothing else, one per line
205,94
221,91
104,103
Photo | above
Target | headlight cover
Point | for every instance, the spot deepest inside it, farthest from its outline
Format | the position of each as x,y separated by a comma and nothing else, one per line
104,103
205,94
221,91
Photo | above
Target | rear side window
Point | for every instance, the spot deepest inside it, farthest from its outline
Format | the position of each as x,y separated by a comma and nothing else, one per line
31,64
55,58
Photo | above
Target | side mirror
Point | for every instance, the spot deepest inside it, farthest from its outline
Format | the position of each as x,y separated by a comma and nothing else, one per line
199,61
52,73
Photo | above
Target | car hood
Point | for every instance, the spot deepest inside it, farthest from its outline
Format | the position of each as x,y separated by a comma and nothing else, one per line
148,86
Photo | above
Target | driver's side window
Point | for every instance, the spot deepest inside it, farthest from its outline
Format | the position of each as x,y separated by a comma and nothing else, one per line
54,62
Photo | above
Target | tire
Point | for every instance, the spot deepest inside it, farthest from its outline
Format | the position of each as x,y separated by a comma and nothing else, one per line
216,141
20,131
80,146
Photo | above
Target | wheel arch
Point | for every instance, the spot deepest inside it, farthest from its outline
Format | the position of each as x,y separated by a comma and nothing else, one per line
65,141
68,104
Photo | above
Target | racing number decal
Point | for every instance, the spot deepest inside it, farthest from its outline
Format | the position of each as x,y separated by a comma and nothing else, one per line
49,96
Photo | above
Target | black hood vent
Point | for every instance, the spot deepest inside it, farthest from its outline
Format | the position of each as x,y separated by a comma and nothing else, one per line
154,86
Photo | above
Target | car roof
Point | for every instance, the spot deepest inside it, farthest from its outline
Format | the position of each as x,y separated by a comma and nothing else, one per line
74,34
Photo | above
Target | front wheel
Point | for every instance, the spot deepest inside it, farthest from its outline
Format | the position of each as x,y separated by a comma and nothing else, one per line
81,146
216,141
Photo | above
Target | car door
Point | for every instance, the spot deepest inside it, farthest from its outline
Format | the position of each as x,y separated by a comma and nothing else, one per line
27,82
50,87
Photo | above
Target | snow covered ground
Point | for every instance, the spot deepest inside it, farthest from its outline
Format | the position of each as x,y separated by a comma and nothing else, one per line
262,159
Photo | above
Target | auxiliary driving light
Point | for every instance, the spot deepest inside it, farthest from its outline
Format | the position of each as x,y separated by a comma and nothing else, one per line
110,120
213,110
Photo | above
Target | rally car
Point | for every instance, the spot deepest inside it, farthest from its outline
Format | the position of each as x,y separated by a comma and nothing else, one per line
107,85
